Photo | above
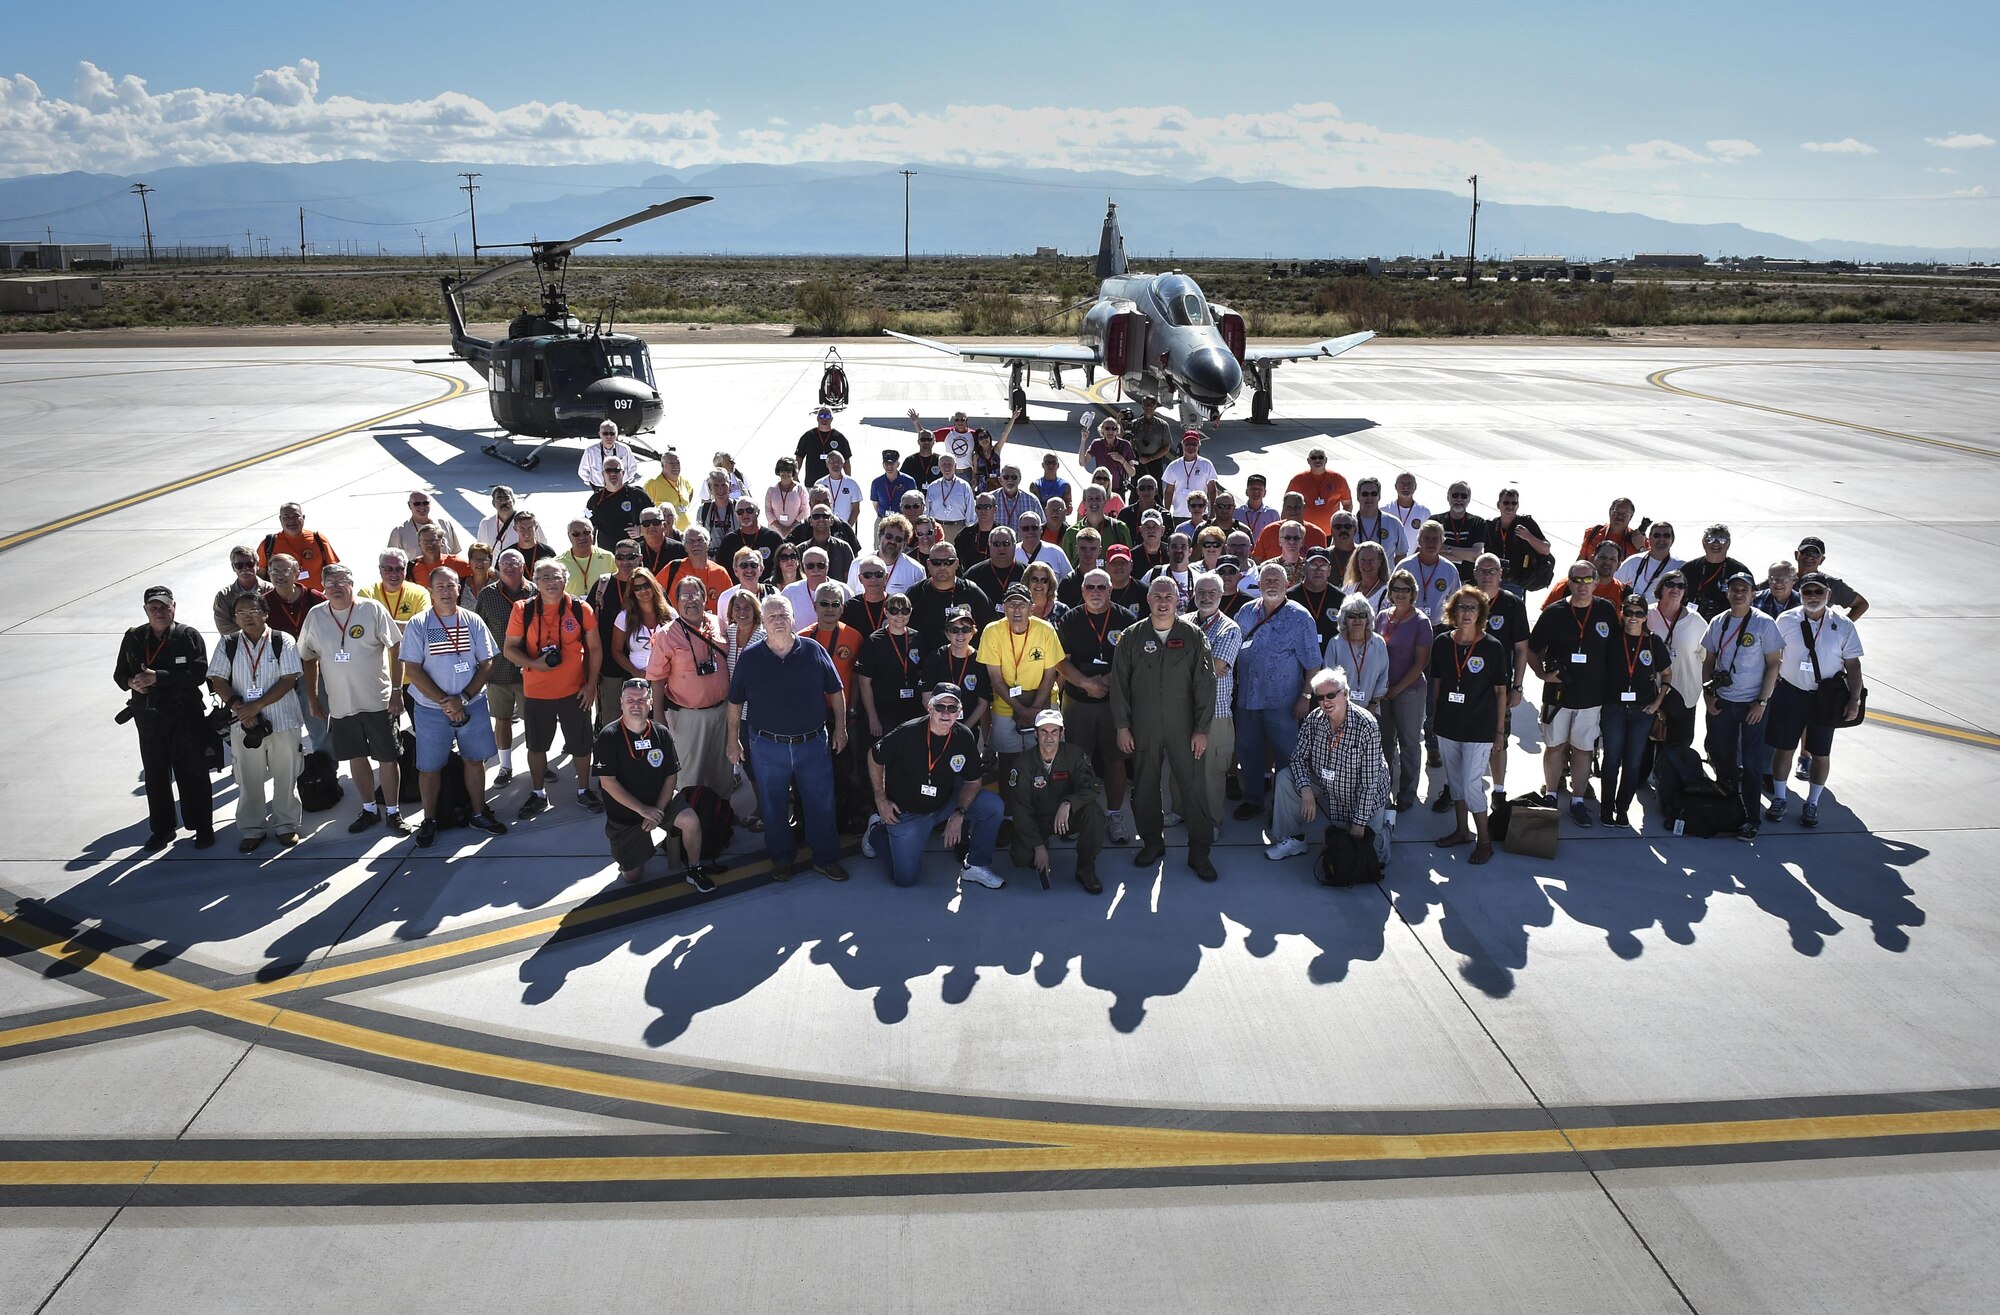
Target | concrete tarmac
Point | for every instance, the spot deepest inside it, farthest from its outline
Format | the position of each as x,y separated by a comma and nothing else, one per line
1652,1074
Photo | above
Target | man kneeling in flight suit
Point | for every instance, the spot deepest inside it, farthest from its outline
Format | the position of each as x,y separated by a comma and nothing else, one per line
1053,792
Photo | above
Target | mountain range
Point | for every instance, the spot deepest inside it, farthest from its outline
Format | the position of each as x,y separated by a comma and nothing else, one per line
844,209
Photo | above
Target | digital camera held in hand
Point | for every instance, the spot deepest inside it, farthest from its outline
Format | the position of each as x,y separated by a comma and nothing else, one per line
552,656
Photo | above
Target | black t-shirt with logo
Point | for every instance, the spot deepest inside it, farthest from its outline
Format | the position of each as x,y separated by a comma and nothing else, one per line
1463,533
812,449
612,514
1467,684
1088,641
1578,645
968,673
641,763
1708,587
922,772
893,665
1507,622
1323,607
1635,668
928,606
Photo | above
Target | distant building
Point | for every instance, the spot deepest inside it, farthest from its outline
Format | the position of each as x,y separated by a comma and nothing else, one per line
53,255
1668,260
1046,253
50,292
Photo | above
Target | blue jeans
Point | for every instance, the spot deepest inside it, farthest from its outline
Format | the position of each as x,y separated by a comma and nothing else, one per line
909,833
1736,750
1625,727
1261,734
777,768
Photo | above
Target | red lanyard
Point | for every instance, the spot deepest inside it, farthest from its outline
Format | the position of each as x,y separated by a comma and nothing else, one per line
460,636
1458,661
1099,630
630,748
256,656
1632,655
343,624
154,655
874,613
963,665
903,653
1019,649
1356,655
931,760
1424,582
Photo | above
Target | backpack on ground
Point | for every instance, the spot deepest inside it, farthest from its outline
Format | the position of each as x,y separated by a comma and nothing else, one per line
319,786
454,805
1349,860
408,789
1532,827
717,818
1689,795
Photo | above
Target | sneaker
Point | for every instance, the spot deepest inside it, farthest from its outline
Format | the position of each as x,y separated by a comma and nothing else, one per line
1776,812
1748,831
1607,814
249,844
1247,810
394,821
695,877
1809,816
427,834
1442,804
1578,813
534,803
1118,828
1431,758
501,777
588,798
1171,819
288,838
868,837
488,823
363,822
786,870
1804,770
1289,847
831,871
981,875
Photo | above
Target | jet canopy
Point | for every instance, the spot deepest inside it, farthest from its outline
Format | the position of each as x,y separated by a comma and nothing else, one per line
1181,301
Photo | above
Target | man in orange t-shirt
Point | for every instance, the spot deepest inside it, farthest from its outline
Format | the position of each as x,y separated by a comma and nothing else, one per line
308,548
713,575
552,638
1325,491
1269,539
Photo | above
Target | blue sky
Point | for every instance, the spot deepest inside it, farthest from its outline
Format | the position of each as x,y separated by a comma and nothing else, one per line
1818,121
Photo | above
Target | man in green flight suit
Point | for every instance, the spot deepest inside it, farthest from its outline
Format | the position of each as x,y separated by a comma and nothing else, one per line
1162,701
1051,791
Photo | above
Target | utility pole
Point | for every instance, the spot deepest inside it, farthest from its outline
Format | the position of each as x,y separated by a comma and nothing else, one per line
423,253
302,235
248,249
146,211
471,204
906,216
1472,238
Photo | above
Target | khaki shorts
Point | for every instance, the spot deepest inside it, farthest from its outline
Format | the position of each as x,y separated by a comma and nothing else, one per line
505,702
1576,727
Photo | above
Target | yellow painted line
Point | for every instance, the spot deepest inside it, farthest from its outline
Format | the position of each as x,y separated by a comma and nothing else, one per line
1186,1151
1659,380
1923,727
457,388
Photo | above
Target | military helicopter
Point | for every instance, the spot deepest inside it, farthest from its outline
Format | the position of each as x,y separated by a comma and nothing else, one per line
1161,337
553,377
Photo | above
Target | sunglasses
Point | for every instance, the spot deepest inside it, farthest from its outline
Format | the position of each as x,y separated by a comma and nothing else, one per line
895,538
579,534
874,575
242,565
626,556
895,610
816,566
1334,697
958,630
944,561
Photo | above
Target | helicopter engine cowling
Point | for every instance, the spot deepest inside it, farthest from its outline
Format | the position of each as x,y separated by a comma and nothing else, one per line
631,404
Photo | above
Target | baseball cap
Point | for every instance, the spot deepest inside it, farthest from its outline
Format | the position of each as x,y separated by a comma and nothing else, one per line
1228,562
157,591
1814,578
823,414
1118,550
946,687
891,454
1015,591
1154,517
1814,542
1191,433
1323,553
1048,717
1744,576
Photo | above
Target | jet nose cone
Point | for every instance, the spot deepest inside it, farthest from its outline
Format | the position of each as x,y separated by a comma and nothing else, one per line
1213,376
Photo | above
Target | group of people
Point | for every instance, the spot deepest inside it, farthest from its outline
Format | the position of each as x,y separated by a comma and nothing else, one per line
1157,639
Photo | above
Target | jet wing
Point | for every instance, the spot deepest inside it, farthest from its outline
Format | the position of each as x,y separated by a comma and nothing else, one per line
1312,351
1053,353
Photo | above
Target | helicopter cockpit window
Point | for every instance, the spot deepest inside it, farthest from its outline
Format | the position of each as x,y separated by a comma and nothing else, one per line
1182,301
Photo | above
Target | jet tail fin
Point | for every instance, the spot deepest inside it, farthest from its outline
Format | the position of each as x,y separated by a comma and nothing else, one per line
1110,247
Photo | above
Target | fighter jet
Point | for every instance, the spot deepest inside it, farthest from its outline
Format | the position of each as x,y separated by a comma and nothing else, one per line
1161,337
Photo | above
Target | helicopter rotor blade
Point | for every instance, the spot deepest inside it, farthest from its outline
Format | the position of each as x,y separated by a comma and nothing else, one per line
659,211
500,271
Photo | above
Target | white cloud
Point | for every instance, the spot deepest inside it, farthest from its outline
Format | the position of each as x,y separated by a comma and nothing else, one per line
1733,149
1961,141
1659,153
1970,191
1845,146
113,124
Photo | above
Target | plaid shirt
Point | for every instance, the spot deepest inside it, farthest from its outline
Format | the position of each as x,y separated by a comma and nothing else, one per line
1225,637
1348,773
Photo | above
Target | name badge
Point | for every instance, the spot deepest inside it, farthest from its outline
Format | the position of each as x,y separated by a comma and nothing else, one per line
1326,773
1455,697
907,693
253,691
1578,659
342,655
461,667
1629,696
1013,691
642,744
927,790
1806,665
1319,502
